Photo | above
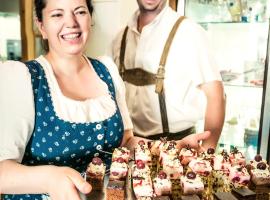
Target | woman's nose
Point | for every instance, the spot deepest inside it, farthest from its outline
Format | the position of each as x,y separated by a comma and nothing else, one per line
71,21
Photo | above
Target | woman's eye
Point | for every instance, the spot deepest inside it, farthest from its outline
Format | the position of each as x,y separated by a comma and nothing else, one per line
83,12
57,15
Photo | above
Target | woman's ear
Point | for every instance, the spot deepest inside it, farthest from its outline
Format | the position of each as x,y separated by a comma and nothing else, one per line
40,27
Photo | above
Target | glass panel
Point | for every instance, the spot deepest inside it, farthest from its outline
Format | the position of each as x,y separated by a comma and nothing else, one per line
10,39
238,31
228,10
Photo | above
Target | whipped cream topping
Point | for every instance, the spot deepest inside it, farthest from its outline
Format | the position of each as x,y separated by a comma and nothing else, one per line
142,153
118,167
144,172
96,169
121,152
220,163
162,183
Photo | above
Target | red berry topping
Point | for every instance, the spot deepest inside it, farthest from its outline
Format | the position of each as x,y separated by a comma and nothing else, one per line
162,175
115,173
258,158
140,164
191,175
236,179
97,161
210,151
261,166
120,160
141,142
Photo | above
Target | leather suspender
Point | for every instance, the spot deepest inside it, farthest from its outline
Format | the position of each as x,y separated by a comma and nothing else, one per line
159,77
122,52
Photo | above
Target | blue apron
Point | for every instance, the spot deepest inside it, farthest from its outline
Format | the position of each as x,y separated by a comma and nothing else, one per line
62,143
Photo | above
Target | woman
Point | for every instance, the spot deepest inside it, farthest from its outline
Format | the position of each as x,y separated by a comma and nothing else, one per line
65,109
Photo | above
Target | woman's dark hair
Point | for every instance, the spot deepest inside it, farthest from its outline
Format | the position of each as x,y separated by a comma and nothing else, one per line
41,4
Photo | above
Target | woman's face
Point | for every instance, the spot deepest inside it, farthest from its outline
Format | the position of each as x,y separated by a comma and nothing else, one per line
66,24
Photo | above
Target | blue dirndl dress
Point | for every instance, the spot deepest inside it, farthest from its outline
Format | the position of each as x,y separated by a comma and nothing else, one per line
62,143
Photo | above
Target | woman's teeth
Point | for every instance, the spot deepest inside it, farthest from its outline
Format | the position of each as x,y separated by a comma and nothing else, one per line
71,36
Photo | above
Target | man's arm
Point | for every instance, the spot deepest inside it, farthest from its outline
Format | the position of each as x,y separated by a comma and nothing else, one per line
215,111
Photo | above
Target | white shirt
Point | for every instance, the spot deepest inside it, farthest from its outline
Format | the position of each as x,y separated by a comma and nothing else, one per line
190,63
17,112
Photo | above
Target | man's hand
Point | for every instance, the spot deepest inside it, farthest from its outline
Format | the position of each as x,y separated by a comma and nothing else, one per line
194,141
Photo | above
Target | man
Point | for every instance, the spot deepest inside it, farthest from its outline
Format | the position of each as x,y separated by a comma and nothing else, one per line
192,86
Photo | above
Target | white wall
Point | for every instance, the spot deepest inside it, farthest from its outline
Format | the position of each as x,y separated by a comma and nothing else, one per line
108,18
9,30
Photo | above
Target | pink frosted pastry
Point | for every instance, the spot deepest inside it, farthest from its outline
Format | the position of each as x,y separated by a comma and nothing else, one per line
118,169
122,152
172,167
209,155
222,163
162,184
142,187
95,173
200,166
260,174
191,184
239,176
237,158
140,169
186,155
169,151
143,153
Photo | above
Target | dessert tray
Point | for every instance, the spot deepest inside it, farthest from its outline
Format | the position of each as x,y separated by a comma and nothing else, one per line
160,171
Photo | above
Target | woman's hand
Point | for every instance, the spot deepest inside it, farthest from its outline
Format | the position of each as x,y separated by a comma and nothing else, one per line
65,184
194,141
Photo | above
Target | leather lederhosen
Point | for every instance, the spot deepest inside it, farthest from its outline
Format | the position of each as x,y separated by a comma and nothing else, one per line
140,77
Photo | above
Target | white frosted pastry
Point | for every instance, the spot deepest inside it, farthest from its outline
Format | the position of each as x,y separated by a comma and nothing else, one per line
237,158
200,166
96,167
260,175
140,169
173,168
142,187
191,184
143,153
118,170
222,163
187,154
121,152
162,184
239,176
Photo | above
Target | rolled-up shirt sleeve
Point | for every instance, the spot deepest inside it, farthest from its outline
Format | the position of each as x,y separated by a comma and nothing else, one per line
119,90
16,110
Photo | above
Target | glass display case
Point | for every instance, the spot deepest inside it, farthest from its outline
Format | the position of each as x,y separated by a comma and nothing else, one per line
239,34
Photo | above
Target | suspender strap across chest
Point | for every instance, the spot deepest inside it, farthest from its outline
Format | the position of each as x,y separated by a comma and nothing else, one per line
140,77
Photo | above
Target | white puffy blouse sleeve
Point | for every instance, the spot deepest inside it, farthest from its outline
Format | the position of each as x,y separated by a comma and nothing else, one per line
119,90
16,110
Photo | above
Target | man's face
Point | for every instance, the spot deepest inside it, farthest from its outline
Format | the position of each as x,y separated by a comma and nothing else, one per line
150,5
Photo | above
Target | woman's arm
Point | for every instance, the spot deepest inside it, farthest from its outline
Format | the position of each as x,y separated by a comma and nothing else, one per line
61,183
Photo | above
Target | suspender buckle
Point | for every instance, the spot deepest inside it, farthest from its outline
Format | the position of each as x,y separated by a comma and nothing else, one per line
160,79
